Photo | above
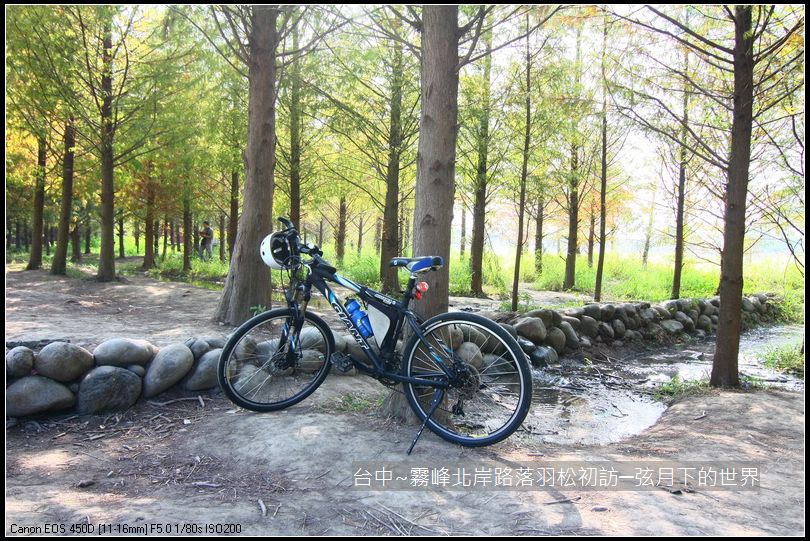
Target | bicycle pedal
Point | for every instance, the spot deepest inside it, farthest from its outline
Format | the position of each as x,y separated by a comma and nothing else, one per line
342,362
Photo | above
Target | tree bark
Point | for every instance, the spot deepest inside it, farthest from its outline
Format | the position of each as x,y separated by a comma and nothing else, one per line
233,218
573,220
221,236
360,236
106,259
188,229
137,234
165,237
35,258
88,233
538,235
248,281
436,157
75,243
295,135
479,210
681,198
600,264
390,238
59,264
149,226
121,252
463,242
524,170
648,233
591,232
340,232
725,363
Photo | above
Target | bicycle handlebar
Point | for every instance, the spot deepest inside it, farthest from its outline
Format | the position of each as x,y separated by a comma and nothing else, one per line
295,239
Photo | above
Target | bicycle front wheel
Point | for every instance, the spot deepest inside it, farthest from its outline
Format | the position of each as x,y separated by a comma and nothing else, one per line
270,363
491,393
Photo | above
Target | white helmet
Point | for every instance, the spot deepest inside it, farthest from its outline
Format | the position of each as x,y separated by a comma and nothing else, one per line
275,251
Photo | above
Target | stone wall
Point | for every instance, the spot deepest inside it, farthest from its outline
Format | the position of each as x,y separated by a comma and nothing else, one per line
63,376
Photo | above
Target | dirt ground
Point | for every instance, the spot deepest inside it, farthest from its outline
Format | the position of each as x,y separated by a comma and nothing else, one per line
291,472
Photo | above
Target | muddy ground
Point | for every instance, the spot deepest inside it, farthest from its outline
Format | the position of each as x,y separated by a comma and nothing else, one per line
188,463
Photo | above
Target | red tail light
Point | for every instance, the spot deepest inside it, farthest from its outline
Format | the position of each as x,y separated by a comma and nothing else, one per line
421,287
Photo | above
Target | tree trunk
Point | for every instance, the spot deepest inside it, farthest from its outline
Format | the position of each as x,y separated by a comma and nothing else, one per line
35,258
295,134
360,236
247,283
463,243
233,218
136,232
221,236
681,199
59,264
46,241
724,367
75,243
648,233
88,234
188,231
106,259
17,238
524,170
538,235
377,235
340,232
591,232
479,210
121,252
573,220
320,232
149,230
390,247
600,265
165,237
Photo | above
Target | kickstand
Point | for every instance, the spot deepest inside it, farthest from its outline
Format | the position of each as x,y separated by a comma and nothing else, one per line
438,396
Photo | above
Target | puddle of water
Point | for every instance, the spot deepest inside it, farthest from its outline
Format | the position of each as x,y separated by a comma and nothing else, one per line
576,405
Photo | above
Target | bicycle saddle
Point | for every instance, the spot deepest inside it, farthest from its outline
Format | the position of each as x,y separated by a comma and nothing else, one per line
418,264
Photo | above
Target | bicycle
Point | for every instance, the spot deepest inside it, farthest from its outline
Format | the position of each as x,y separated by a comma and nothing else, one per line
464,376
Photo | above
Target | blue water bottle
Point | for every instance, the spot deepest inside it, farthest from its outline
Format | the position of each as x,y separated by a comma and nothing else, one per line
359,318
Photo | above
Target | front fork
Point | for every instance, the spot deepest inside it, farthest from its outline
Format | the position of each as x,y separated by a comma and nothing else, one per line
298,297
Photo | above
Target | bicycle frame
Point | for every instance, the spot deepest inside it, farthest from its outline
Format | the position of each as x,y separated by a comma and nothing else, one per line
318,277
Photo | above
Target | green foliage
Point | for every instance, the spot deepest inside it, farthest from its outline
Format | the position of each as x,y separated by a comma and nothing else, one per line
678,388
788,359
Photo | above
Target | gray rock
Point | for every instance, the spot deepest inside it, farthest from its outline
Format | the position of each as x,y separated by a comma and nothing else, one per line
686,321
621,314
575,312
684,305
137,369
662,312
704,323
311,338
607,311
556,318
470,354
62,361
36,394
589,327
715,301
526,345
556,339
574,322
456,337
701,305
763,298
618,328
630,309
671,307
108,388
672,326
709,309
757,304
311,361
606,330
124,352
169,366
19,362
747,305
510,329
693,314
531,328
215,342
74,387
204,374
592,310
199,348
341,341
571,337
545,315
700,333
654,331
585,342
632,322
544,356
647,315
715,319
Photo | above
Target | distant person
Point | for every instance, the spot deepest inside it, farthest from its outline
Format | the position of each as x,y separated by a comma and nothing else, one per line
206,240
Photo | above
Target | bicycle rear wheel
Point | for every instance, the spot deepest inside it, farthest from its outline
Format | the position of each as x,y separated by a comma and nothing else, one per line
491,395
269,364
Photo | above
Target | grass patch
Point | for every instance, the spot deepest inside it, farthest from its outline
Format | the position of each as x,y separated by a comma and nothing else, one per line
357,403
678,388
788,359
